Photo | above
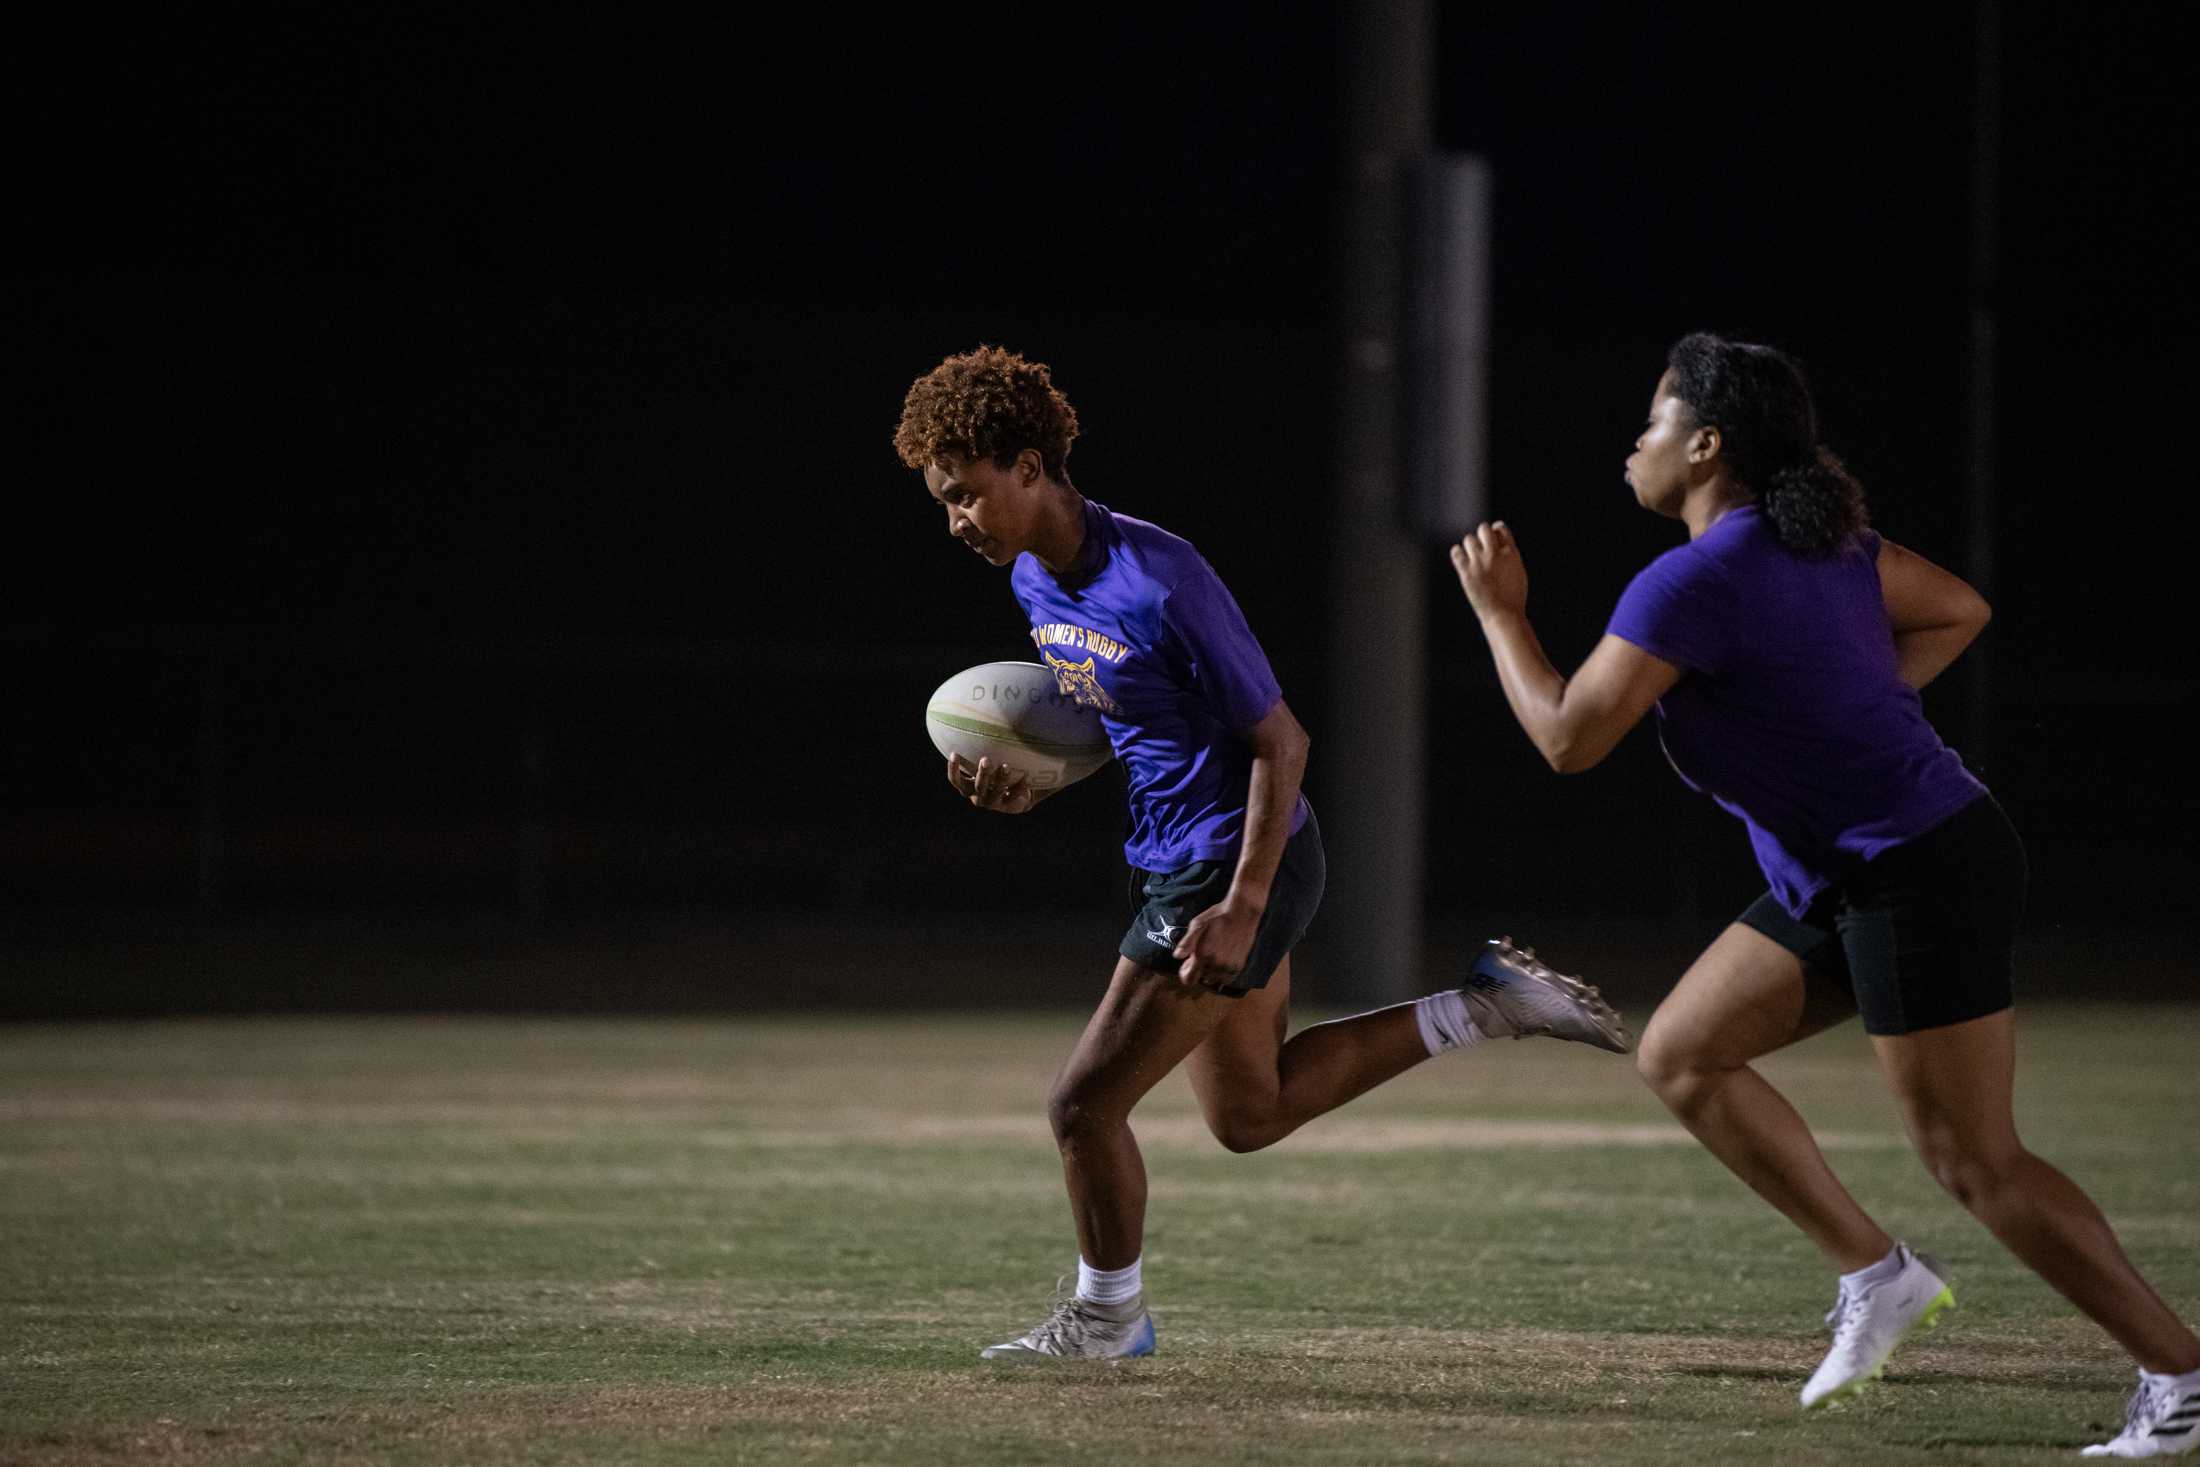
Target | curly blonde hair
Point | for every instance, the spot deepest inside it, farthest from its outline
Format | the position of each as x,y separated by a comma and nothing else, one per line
989,403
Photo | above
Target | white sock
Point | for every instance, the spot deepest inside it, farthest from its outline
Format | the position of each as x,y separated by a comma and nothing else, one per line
1445,1023
1109,1285
1875,1273
2185,1382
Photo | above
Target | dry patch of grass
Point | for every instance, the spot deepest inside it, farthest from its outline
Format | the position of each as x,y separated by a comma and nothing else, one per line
163,1439
1342,1132
1228,1392
456,1244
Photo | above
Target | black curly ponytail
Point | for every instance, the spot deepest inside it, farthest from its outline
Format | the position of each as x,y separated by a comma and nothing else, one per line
1759,401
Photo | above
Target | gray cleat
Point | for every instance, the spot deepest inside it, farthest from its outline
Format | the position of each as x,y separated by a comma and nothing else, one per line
1509,993
1079,1329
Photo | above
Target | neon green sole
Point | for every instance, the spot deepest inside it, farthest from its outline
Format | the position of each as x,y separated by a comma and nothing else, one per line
1939,1304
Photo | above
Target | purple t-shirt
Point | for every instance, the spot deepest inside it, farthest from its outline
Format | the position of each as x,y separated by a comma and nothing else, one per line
1142,629
1791,711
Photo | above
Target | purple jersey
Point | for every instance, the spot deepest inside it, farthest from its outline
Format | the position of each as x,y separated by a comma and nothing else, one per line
1142,629
1791,711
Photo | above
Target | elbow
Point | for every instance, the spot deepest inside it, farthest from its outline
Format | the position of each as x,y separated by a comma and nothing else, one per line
1569,756
1284,748
1971,622
1577,734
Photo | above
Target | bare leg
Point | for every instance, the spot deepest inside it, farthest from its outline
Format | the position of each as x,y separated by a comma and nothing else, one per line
1954,1085
1744,998
1145,1025
1255,1088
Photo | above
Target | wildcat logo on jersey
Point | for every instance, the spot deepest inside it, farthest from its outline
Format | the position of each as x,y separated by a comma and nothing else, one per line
1079,682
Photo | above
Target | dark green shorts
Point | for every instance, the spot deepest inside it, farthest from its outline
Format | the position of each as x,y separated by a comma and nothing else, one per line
1166,902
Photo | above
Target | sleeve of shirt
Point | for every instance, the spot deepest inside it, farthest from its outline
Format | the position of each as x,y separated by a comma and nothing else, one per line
1678,609
1226,662
1868,541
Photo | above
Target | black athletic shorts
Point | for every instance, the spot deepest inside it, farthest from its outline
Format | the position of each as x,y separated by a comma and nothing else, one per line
1165,902
1922,935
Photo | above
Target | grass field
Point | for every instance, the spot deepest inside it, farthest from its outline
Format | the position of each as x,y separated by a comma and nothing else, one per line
784,1240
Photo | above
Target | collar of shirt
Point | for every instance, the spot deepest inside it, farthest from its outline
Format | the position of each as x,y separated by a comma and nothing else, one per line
1091,555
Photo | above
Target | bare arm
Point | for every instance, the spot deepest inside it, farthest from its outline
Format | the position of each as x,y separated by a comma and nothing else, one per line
1279,766
1935,614
1217,942
1573,722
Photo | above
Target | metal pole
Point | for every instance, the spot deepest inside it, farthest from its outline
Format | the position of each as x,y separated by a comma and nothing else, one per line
1371,775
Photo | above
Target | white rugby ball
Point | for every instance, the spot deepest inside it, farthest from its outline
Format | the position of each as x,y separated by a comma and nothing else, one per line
1014,714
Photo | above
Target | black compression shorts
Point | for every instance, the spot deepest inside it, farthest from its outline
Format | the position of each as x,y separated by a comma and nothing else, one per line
1924,934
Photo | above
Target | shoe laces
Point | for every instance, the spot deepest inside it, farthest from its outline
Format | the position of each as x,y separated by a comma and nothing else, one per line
2147,1402
1848,1303
1067,1325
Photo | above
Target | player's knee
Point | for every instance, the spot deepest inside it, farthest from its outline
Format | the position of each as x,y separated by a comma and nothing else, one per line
1967,1173
1673,1071
1957,1175
1242,1131
1074,1115
1067,1115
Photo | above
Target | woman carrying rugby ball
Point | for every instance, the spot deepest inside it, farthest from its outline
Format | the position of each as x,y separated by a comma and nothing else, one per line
1226,854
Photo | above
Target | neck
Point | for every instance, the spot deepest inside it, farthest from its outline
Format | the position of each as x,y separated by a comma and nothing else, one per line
1708,503
1061,530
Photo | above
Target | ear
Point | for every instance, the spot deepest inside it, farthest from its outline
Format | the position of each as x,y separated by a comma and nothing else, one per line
1029,467
1704,445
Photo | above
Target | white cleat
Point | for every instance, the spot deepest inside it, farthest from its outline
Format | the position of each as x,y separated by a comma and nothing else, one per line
1510,994
1079,1329
1869,1322
2163,1420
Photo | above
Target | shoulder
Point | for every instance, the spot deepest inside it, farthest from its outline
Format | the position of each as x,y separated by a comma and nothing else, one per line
1680,608
1691,568
1741,544
1162,556
1029,579
1171,578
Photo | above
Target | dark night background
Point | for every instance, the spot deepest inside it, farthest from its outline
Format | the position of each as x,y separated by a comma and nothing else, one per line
459,560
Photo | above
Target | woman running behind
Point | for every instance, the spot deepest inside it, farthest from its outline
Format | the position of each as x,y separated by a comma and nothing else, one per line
1783,647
